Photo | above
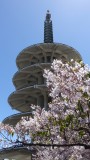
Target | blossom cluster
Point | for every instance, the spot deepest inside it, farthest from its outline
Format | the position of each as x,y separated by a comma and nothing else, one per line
67,120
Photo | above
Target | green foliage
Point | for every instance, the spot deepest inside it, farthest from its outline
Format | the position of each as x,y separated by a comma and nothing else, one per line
85,95
79,106
81,133
88,75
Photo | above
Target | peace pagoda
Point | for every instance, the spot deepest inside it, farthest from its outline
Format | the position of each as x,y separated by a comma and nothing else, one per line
30,85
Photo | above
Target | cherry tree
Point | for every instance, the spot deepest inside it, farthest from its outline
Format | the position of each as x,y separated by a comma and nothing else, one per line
63,131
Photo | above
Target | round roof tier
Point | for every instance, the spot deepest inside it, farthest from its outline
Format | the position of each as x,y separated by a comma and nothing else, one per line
14,119
22,99
46,52
16,153
30,75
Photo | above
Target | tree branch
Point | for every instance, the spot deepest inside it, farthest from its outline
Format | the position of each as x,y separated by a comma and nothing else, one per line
56,145
5,137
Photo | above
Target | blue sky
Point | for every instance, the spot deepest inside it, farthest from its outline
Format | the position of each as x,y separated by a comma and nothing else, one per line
22,24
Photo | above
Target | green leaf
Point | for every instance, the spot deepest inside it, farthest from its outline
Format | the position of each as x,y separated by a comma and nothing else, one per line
88,75
12,134
81,133
80,108
85,95
69,118
88,104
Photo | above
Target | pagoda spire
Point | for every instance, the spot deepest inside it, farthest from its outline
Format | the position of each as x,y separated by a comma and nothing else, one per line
48,31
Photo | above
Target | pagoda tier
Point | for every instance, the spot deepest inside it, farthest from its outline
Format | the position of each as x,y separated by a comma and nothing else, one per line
16,153
15,118
28,81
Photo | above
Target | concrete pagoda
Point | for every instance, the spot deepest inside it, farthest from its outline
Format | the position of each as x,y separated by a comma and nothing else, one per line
28,80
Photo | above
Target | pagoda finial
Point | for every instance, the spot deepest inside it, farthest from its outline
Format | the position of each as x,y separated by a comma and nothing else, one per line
48,33
48,15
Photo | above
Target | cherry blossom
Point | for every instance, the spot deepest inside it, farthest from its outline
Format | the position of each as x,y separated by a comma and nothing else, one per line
67,120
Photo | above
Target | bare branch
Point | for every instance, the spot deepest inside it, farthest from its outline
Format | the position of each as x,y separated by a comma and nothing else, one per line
56,145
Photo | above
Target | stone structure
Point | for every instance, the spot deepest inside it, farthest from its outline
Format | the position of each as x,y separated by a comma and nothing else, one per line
28,81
